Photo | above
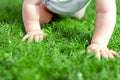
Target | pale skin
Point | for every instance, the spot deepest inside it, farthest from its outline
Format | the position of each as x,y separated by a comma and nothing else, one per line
35,13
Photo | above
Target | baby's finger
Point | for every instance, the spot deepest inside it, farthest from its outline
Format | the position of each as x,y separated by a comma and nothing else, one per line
90,50
114,53
30,38
41,36
37,38
25,37
98,54
110,54
104,53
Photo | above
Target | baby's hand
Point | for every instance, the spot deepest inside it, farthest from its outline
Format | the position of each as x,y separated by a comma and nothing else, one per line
34,35
101,51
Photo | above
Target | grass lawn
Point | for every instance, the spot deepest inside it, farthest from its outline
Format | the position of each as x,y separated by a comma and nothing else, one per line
61,56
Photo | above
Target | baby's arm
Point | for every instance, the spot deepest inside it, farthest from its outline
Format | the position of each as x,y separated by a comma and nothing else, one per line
31,20
105,22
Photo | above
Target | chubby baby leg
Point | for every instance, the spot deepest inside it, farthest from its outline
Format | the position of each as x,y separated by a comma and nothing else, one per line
45,14
80,14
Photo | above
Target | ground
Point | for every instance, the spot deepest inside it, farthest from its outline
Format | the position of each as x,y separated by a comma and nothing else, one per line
61,56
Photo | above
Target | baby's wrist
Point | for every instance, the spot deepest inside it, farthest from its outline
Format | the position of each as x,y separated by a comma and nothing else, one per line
32,28
35,30
99,43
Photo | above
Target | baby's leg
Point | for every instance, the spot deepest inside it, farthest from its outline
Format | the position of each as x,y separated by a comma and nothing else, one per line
45,14
80,14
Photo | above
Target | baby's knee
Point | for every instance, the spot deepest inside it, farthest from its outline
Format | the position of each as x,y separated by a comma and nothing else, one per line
45,14
45,17
80,14
45,21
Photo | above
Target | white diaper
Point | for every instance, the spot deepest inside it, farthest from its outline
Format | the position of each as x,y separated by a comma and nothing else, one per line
66,7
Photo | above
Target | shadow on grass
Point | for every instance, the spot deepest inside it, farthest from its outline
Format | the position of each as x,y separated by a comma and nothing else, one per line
70,30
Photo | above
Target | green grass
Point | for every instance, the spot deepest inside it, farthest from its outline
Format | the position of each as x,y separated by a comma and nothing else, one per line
61,56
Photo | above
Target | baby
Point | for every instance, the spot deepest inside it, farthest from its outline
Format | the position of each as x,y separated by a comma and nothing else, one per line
36,12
